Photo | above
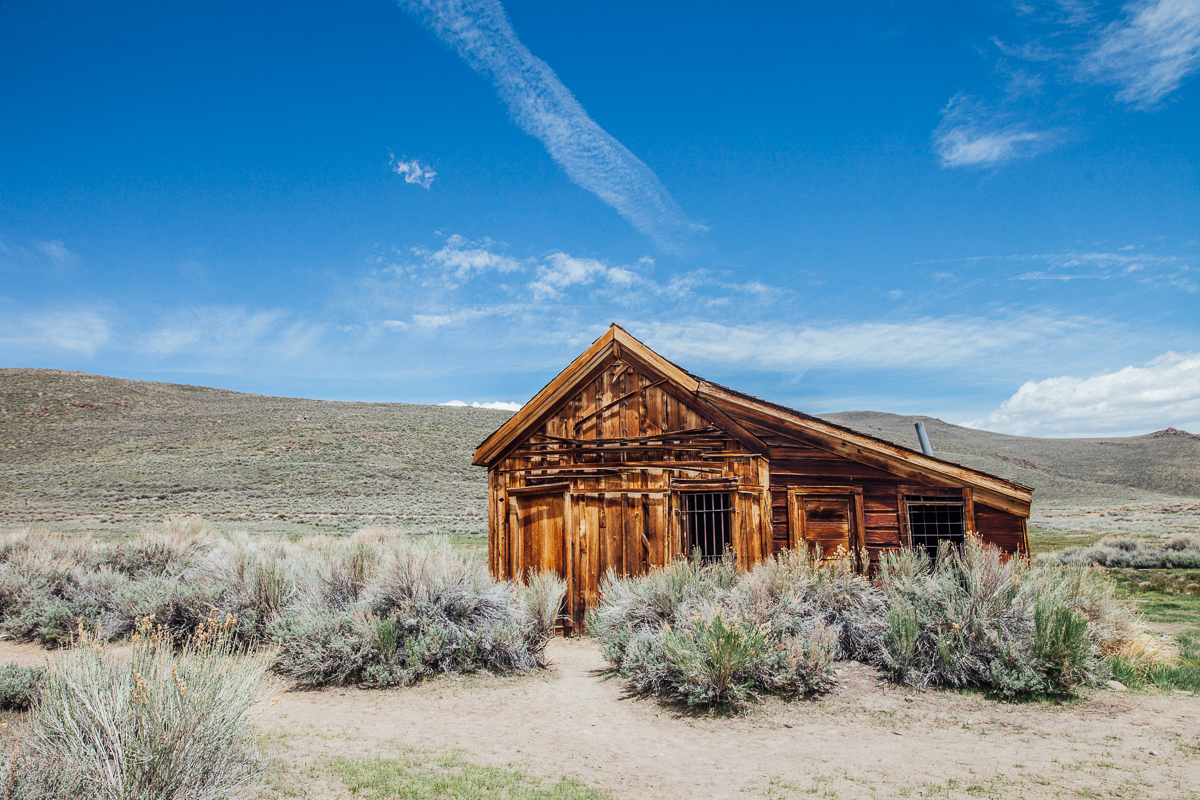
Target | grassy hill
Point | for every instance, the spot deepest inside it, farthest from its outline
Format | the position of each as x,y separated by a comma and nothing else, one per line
87,452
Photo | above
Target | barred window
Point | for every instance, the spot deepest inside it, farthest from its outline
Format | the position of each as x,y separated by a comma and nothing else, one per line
934,519
707,518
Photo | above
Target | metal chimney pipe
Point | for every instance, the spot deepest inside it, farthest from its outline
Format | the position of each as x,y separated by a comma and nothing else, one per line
924,437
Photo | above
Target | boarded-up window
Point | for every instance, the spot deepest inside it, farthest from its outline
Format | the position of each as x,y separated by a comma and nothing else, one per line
707,516
935,519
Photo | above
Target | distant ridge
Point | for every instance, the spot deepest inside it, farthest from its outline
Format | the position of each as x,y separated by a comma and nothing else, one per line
1155,467
1169,432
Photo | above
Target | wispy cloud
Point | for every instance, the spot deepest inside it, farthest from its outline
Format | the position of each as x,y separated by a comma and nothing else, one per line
461,259
459,316
480,32
1068,12
1149,52
971,135
412,171
498,405
913,343
223,332
1133,400
79,331
1150,269
55,250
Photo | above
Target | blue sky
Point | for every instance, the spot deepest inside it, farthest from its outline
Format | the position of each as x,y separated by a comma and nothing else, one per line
987,212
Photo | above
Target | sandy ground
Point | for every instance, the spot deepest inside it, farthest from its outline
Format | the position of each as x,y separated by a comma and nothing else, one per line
864,740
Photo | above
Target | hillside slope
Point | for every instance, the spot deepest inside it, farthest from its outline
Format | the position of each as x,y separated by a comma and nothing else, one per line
1154,468
84,451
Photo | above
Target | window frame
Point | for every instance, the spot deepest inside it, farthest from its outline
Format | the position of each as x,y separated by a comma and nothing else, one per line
689,517
963,496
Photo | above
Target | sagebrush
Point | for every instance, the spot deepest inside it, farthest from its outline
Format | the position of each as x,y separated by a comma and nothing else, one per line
19,686
711,634
165,723
1180,551
377,607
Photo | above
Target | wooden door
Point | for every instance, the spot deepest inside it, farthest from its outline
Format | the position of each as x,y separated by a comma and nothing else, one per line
541,522
541,527
827,522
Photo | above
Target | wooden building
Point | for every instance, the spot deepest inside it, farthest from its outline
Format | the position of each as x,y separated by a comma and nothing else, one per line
627,461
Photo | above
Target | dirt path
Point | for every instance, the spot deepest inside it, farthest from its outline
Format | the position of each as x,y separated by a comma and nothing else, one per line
861,741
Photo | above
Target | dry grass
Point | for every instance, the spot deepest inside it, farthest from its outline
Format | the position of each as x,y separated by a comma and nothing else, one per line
90,453
165,723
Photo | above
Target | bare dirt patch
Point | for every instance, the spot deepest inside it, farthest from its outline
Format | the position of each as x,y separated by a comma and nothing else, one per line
863,740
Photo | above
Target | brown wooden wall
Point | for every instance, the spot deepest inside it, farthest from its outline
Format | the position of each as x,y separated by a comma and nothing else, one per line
596,486
797,464
610,462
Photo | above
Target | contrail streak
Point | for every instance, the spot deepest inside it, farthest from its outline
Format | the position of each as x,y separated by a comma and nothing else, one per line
480,32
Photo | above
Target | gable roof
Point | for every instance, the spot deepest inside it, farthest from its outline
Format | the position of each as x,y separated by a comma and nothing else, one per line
739,415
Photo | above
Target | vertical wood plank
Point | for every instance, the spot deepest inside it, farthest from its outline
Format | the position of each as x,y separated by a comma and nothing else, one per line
902,513
570,544
969,512
859,539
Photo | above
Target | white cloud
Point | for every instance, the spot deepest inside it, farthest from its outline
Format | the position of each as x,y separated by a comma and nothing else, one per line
1134,400
923,343
227,331
561,271
413,171
462,259
1150,269
214,329
970,135
80,331
498,405
1150,52
55,250
432,322
481,33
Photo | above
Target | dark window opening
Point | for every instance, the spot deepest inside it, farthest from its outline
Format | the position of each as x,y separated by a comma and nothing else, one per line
707,519
935,519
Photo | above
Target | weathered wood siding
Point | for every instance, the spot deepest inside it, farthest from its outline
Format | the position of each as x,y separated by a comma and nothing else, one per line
795,464
610,462
1006,531
593,477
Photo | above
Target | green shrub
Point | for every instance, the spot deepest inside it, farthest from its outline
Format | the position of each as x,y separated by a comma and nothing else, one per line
711,659
19,686
164,723
426,609
973,619
1180,551
710,634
